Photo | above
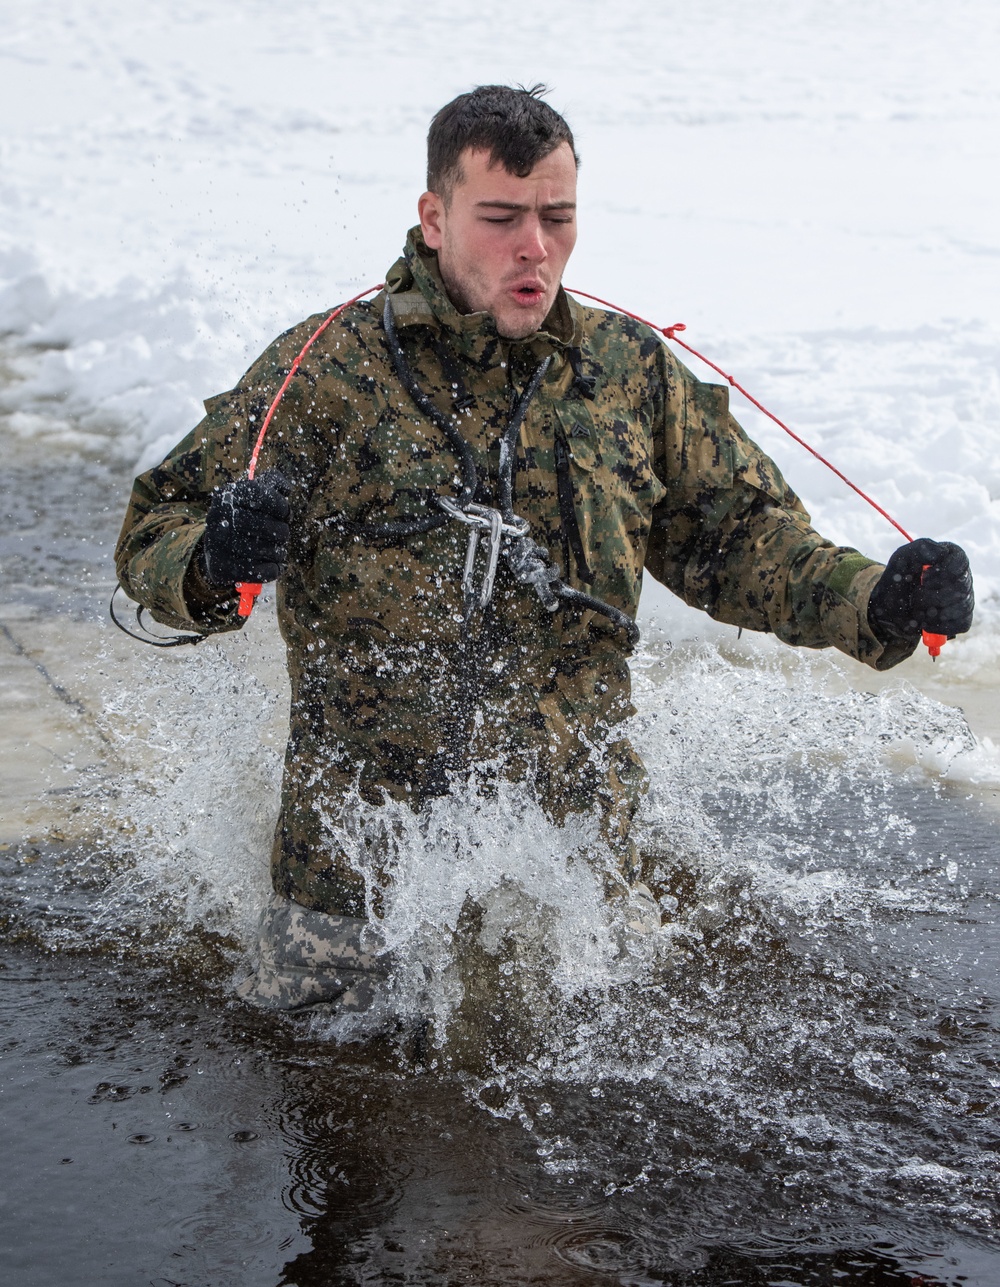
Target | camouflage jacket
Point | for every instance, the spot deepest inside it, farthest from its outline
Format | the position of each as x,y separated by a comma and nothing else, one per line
625,462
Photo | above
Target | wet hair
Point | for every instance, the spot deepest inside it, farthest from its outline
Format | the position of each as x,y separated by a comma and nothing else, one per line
513,124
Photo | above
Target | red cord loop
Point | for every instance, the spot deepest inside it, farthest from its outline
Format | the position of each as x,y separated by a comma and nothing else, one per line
933,642
249,591
671,333
294,367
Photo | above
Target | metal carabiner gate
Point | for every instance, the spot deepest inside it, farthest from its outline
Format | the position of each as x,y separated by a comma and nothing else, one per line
480,519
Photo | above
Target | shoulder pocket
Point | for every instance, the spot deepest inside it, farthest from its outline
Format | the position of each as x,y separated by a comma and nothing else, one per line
606,480
714,455
706,449
611,454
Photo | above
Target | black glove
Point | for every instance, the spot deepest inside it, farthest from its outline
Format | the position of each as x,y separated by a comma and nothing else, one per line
926,585
246,535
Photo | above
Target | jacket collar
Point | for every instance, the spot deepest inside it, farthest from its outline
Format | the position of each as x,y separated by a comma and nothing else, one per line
419,298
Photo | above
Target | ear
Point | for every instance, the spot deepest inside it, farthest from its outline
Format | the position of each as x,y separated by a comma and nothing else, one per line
431,209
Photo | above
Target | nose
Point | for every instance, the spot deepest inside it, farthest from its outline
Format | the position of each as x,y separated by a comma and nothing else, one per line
531,248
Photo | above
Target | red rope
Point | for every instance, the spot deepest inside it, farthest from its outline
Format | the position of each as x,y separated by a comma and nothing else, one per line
249,590
932,642
294,367
671,333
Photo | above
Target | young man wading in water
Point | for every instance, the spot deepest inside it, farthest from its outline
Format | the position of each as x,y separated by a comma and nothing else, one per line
473,387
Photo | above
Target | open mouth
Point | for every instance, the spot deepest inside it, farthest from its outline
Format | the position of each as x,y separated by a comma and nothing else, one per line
528,293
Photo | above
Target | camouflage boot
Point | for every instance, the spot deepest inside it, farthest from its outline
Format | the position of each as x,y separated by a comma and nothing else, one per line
308,957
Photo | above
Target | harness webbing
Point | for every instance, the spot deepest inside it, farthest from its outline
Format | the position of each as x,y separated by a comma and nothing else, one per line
529,561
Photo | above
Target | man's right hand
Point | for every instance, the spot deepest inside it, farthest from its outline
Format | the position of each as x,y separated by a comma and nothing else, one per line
246,533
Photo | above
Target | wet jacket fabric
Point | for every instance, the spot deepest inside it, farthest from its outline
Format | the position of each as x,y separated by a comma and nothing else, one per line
625,463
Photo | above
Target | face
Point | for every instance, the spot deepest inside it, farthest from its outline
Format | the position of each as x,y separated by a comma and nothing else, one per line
503,241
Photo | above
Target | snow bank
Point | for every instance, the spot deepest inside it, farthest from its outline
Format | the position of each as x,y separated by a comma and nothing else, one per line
124,365
811,189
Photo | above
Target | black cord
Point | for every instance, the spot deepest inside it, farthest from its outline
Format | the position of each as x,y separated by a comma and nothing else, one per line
505,483
613,614
508,442
154,641
467,461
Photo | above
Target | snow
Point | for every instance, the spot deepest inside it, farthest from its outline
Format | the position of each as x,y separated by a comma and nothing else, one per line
811,186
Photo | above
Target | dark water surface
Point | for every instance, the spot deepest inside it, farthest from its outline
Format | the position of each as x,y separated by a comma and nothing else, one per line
155,1131
805,1091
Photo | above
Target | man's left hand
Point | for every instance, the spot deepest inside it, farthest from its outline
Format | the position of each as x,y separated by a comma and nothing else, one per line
926,585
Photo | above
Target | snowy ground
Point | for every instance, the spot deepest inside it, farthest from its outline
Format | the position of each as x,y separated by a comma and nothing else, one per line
812,187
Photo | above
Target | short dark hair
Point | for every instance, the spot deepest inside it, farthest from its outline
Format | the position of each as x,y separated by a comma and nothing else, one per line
513,123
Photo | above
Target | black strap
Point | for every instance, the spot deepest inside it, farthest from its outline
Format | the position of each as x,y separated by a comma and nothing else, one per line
461,448
508,440
154,641
583,385
462,399
567,509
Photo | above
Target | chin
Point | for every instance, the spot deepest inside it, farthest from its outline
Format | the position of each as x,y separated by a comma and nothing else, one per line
519,332
520,325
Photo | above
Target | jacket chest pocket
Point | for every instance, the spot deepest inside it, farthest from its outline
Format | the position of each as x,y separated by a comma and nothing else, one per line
607,490
385,473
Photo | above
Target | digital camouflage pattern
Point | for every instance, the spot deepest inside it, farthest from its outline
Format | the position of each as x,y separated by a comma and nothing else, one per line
309,957
625,462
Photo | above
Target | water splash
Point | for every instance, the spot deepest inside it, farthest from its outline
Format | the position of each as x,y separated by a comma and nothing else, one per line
809,1002
483,880
745,763
189,814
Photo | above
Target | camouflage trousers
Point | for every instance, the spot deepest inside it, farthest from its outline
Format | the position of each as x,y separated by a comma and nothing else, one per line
560,737
309,957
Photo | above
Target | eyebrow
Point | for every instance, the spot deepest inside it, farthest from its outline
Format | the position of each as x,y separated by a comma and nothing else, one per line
516,205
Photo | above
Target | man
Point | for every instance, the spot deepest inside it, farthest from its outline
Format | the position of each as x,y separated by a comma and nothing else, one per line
473,396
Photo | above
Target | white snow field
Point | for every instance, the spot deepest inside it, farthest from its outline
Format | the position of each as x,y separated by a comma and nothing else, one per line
811,186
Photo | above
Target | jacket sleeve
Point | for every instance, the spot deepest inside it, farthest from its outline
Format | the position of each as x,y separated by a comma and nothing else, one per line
731,538
165,521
